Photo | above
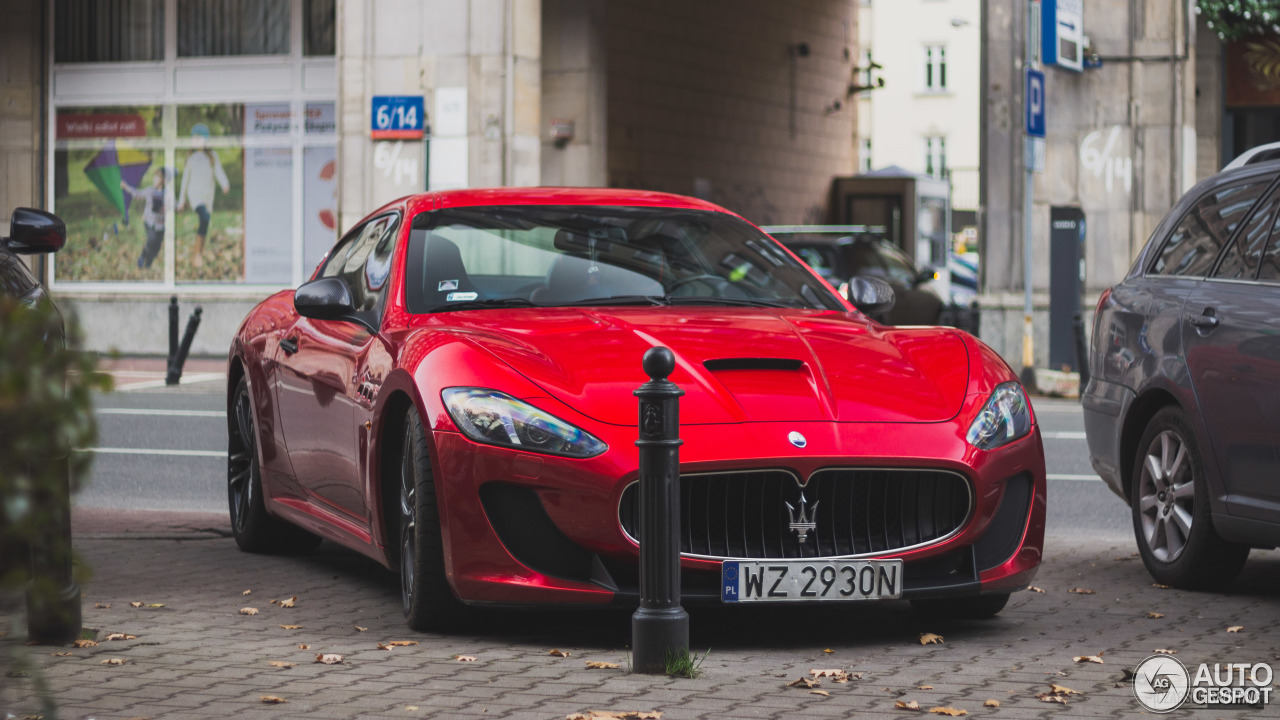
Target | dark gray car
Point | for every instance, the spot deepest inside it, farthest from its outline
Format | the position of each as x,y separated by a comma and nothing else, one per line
1182,411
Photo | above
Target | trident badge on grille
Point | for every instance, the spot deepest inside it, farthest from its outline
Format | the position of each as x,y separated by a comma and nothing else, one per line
803,521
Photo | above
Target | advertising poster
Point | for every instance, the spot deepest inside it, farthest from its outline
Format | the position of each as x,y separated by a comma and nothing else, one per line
209,218
111,190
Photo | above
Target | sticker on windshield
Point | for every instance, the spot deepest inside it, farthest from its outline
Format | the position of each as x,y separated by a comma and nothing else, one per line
447,285
458,296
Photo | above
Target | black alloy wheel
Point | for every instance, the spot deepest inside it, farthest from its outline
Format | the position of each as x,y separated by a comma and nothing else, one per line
427,599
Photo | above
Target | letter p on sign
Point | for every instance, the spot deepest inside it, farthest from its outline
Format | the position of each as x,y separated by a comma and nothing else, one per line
1034,100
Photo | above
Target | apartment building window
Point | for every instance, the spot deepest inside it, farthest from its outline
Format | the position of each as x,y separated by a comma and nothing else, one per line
108,30
935,68
864,154
935,156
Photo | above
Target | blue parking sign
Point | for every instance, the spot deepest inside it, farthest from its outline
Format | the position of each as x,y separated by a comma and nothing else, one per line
1035,102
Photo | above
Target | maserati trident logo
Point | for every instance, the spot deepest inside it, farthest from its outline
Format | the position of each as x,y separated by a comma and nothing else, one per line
797,439
803,521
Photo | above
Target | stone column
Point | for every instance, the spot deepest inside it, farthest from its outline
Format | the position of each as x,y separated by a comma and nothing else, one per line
574,94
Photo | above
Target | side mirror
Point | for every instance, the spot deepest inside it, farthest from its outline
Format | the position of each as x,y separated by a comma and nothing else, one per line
870,295
928,273
34,231
328,298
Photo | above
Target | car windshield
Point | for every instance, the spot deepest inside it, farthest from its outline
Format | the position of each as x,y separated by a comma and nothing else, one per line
543,256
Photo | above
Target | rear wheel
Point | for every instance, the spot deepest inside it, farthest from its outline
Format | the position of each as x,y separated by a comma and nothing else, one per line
427,599
980,607
254,530
1171,515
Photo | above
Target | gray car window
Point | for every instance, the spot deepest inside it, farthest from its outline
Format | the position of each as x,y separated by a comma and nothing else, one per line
1240,262
1270,261
1195,241
15,279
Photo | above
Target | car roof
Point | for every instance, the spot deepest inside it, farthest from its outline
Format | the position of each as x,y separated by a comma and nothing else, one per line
480,197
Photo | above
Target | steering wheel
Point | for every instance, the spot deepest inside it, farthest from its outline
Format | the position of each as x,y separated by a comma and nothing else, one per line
717,283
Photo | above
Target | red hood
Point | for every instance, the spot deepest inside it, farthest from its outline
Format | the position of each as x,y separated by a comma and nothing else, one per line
774,365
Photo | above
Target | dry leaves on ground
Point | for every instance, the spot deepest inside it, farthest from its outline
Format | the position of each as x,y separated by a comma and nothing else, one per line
948,711
290,627
465,658
836,675
1160,586
135,604
114,661
907,705
271,699
1154,615
828,650
402,643
991,703
1165,651
303,646
804,683
291,602
281,664
247,592
1089,658
1035,589
63,653
120,636
155,605
85,643
248,611
615,715
1082,591
329,658
382,646
1235,628
1057,694
931,639
557,653
598,665
823,693
925,687
359,629
102,606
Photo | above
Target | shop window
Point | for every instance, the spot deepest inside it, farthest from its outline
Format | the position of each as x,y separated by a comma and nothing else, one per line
213,28
318,24
108,31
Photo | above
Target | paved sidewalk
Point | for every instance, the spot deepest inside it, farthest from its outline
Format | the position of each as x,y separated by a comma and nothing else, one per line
197,656
135,373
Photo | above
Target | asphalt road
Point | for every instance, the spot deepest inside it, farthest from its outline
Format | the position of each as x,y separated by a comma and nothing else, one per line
164,449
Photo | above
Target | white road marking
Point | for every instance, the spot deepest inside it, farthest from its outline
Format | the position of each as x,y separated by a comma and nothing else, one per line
1055,408
153,451
186,379
162,413
1063,435
1090,478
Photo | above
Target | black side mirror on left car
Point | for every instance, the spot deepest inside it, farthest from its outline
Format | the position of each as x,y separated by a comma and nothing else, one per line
329,298
33,232
870,295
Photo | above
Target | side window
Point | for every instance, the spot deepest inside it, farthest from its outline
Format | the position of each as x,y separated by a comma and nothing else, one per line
1194,243
1241,259
1270,260
819,259
377,269
897,265
338,256
368,252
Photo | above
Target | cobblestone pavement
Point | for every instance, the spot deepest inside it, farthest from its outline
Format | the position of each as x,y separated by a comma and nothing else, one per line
197,656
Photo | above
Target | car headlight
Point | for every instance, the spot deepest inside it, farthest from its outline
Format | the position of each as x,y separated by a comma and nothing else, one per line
496,418
1005,418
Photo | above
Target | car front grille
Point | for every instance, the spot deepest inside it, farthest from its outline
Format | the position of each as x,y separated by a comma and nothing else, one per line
854,511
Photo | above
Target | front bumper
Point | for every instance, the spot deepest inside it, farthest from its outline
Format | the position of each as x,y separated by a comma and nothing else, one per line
520,528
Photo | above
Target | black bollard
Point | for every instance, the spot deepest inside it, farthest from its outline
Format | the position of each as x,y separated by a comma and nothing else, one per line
175,369
1082,352
173,340
660,627
53,600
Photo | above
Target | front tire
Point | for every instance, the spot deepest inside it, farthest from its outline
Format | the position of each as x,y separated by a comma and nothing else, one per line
1171,514
253,529
427,599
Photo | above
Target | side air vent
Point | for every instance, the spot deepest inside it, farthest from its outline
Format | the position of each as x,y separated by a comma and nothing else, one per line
753,364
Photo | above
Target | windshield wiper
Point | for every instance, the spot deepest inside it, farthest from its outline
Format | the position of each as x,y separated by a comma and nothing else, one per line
746,302
511,302
656,300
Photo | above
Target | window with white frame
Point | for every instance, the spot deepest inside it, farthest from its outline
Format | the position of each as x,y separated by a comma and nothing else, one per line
935,155
184,165
934,78
864,154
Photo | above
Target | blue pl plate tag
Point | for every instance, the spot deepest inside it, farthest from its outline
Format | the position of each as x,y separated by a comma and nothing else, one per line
729,581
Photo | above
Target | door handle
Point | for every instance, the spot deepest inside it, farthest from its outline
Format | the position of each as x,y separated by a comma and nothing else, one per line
1205,321
289,345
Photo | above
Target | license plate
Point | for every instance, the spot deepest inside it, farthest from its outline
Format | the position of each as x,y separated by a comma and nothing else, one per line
810,580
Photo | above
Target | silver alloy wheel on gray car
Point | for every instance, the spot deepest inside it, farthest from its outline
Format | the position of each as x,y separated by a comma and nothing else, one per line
1166,496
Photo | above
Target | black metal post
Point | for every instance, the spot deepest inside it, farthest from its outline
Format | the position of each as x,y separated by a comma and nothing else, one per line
175,368
170,378
53,601
660,627
1082,352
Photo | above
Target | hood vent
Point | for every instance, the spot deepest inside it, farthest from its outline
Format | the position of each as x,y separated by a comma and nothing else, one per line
753,364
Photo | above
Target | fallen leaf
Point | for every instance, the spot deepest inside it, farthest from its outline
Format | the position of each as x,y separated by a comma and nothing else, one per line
804,683
290,602
359,629
1046,697
1035,589
1155,615
949,711
907,705
991,703
85,643
155,605
303,646
290,627
1056,689
247,592
411,708
465,658
248,611
383,647
925,687
281,664
402,643
558,653
615,715
1162,651
64,653
930,639
1089,658
102,606
1235,628
120,636
113,661
1082,591
329,658
823,693
135,604
598,665
828,650
827,673
271,699
1162,587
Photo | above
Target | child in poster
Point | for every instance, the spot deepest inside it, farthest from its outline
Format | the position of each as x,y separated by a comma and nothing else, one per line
153,209
198,175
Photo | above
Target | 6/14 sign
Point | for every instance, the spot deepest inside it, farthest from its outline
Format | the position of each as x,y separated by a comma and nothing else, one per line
397,117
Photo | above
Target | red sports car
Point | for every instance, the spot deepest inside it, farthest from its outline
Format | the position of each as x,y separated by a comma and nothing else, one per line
451,395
